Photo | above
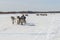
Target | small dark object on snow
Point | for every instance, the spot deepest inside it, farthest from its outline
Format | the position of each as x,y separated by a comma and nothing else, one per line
43,14
37,14
26,14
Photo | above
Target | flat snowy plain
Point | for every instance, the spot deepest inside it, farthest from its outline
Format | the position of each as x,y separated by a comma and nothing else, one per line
36,28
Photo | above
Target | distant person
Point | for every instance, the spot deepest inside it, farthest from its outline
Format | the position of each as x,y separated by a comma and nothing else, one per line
12,19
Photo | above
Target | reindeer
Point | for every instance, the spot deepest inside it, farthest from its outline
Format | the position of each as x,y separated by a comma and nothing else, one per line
23,19
13,19
20,20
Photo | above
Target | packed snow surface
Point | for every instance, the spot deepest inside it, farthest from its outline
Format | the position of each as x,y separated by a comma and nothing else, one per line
36,28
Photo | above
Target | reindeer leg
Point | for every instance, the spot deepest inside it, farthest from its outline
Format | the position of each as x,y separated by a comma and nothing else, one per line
21,23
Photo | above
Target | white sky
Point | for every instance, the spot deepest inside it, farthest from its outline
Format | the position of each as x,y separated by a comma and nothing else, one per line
31,5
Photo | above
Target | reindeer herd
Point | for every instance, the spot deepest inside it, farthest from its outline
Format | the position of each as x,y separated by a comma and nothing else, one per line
20,20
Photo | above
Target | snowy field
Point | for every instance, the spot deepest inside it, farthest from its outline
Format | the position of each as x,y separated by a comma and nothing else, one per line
36,28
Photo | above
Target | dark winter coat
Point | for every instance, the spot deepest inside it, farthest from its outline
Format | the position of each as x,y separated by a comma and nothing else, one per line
23,17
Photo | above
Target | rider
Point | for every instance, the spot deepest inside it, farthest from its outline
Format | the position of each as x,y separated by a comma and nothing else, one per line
23,17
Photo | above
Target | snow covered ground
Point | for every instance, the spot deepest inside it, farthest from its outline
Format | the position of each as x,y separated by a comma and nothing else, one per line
36,28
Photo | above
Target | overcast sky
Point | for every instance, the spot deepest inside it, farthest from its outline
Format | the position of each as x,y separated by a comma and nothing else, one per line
31,5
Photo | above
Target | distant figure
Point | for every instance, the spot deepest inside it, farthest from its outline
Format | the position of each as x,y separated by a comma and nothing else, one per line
12,19
23,19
